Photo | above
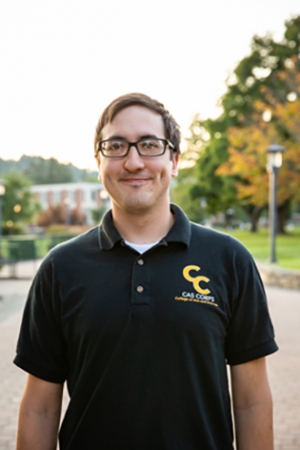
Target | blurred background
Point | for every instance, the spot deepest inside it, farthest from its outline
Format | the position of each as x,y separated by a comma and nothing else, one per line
227,71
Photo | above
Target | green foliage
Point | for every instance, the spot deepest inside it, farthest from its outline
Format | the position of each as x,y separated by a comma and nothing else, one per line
12,228
32,247
47,171
91,178
19,206
287,246
22,248
98,213
59,239
180,195
259,69
218,191
255,75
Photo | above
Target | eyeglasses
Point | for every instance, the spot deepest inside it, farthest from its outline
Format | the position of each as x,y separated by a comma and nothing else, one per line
116,148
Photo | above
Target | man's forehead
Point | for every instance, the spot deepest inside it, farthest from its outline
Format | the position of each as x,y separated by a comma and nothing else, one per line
135,110
135,119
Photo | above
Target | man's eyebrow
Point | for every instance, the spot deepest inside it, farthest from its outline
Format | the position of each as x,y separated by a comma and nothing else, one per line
144,136
150,136
115,136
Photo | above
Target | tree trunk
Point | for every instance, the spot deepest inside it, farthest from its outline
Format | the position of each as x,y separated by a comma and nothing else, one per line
254,213
282,215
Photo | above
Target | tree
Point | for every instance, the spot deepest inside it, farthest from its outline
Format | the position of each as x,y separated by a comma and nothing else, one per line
249,83
98,213
211,146
58,215
180,194
247,147
48,171
19,206
37,170
260,68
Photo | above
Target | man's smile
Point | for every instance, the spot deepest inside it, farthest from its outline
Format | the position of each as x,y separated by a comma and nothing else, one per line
135,180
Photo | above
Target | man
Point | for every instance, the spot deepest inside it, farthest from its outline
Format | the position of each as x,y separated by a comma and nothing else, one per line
141,314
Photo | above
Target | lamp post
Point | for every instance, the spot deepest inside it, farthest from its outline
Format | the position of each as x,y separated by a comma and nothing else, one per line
274,162
2,192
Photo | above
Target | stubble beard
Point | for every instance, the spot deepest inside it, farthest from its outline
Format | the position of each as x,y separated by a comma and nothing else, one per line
139,203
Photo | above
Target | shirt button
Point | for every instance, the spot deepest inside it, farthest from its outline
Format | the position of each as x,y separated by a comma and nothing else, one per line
140,289
140,261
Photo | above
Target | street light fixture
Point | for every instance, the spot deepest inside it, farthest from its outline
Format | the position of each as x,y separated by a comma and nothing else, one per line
274,162
2,192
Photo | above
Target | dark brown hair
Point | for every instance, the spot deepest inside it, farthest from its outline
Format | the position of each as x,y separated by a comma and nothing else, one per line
171,126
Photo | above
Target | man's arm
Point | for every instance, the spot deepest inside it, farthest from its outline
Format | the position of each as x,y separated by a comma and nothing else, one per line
252,406
39,415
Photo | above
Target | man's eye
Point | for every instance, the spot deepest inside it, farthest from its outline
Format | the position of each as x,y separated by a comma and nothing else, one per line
149,144
115,145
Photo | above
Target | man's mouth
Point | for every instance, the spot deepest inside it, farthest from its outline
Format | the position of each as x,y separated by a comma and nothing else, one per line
135,181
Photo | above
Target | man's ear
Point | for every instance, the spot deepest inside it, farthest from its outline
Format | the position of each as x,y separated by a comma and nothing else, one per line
175,161
97,161
97,158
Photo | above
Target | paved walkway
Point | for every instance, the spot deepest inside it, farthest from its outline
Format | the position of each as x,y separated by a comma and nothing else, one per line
283,366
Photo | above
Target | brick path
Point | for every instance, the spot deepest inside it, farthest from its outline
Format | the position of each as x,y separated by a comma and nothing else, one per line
284,366
11,379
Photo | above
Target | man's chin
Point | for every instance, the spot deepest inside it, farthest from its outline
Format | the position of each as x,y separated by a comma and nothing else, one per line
137,206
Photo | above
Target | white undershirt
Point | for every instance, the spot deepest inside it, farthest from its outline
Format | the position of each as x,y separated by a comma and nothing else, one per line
141,248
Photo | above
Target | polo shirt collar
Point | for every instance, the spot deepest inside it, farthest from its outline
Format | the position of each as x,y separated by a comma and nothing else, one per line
108,235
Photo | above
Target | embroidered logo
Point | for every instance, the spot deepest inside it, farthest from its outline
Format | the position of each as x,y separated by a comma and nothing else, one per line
198,282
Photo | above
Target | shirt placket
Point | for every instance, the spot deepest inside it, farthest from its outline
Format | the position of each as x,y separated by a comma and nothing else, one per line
140,282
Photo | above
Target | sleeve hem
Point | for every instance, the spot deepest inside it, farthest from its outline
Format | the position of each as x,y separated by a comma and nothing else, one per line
38,371
253,353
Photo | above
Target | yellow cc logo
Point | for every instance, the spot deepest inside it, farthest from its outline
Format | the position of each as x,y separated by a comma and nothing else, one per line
196,280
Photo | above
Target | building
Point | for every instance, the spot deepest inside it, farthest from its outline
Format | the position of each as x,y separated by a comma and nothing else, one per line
81,197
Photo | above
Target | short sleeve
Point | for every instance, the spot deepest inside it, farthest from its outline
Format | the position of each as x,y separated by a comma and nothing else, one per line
250,334
41,347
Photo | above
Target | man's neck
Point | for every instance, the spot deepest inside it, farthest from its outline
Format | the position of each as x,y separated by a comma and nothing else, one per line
143,228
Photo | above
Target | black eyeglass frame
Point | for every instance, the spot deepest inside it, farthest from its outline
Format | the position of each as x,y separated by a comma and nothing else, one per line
166,142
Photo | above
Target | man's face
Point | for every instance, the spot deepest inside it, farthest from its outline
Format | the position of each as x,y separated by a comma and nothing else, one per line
137,184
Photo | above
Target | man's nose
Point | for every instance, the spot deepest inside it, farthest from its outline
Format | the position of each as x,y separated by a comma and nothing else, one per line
133,161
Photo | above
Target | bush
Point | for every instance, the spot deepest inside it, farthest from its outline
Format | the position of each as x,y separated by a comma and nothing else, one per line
22,248
59,239
12,228
54,215
57,215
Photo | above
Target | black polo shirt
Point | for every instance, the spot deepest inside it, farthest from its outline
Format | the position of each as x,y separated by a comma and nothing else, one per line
143,340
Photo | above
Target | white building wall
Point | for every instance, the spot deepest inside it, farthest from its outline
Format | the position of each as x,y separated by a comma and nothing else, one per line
91,196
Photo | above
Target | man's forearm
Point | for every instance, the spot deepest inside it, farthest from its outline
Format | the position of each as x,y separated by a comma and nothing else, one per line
39,415
252,405
254,427
37,431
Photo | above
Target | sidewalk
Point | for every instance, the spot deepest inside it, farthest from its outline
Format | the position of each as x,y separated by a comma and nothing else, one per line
23,270
12,380
283,366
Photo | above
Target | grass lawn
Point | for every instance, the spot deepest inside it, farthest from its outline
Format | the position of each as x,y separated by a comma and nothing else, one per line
287,246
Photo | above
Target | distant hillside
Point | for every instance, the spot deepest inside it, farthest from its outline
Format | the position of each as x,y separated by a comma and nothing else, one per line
46,171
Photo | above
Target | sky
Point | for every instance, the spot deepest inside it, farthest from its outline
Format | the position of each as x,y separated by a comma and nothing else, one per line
63,61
